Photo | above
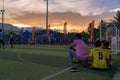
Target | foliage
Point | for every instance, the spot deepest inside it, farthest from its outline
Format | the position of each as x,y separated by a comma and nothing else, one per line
39,31
60,34
71,34
84,34
8,35
96,32
116,20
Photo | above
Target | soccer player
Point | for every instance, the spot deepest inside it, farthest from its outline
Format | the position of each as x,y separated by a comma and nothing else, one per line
99,57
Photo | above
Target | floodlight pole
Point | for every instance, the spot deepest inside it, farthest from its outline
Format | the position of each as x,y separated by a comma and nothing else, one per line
47,15
47,21
2,10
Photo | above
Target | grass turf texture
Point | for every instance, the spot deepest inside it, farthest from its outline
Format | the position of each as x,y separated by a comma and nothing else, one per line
25,62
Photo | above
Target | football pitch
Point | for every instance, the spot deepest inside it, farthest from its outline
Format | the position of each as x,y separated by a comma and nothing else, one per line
36,62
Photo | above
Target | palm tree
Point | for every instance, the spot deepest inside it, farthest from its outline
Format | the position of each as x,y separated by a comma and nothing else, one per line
116,20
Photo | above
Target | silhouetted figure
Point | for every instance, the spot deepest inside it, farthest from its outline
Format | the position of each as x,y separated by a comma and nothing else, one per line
11,39
1,39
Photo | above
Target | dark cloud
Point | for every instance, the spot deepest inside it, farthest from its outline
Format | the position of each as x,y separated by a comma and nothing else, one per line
72,18
78,13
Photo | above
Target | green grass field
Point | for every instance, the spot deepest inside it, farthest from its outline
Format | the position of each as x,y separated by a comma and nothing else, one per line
36,62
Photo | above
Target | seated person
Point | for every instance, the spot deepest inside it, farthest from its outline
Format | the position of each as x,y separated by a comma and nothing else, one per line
105,46
98,57
78,49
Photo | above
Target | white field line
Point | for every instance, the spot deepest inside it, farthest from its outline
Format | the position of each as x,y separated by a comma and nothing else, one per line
60,72
117,75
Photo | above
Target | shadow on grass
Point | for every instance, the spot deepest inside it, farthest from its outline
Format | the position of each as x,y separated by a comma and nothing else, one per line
8,56
42,47
48,60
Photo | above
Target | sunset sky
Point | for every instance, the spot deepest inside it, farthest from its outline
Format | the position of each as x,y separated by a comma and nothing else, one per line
77,13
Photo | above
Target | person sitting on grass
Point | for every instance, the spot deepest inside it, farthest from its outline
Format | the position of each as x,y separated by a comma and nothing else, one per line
99,57
105,46
78,49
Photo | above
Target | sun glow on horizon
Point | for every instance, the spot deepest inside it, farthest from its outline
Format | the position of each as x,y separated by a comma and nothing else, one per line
22,25
70,28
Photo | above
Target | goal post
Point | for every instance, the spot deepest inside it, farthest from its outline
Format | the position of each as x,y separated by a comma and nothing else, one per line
115,42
